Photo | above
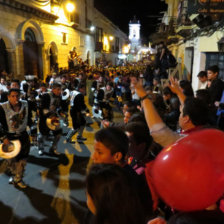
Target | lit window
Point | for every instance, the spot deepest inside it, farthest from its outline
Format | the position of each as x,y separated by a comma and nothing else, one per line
64,38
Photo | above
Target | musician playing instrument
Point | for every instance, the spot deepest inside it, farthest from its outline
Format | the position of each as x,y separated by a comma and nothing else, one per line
15,118
50,107
77,110
65,98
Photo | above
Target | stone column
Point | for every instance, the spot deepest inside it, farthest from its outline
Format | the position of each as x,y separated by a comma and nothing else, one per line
12,62
41,60
20,60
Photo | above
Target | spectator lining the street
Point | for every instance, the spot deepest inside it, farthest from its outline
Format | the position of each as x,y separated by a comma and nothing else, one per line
217,86
186,87
193,115
112,196
203,78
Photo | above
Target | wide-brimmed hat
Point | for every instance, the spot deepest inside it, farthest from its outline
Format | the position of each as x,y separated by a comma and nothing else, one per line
65,94
9,151
53,123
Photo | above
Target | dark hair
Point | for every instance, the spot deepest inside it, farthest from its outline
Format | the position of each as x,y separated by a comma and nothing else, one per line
42,84
140,132
130,104
13,90
81,85
159,103
197,111
204,95
137,117
167,91
132,110
187,88
114,139
202,74
56,85
114,195
213,68
16,80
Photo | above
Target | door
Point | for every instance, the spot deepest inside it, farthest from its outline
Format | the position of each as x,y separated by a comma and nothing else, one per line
31,55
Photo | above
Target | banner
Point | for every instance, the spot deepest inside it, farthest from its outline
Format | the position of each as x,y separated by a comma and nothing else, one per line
205,6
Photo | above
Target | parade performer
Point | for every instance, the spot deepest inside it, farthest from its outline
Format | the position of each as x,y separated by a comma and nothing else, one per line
50,109
14,120
77,112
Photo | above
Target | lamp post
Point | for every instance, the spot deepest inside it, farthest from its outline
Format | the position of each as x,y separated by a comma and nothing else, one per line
70,7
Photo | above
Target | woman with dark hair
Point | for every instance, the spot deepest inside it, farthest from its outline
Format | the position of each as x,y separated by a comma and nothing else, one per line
112,196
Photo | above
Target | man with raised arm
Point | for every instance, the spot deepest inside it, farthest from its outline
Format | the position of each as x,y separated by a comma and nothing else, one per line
193,116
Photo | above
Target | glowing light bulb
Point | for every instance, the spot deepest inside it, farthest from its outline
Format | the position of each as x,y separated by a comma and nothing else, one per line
70,7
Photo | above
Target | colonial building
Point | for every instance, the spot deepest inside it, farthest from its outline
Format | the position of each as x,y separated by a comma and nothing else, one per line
37,34
193,31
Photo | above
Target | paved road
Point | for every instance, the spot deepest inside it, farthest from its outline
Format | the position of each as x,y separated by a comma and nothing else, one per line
56,185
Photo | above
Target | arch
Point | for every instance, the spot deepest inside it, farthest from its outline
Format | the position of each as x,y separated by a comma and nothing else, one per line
30,24
8,39
52,53
52,47
4,65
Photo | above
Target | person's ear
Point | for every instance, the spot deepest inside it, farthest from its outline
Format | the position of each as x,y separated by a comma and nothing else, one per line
117,156
186,119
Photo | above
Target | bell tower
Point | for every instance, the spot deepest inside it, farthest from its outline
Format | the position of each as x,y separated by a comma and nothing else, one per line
134,34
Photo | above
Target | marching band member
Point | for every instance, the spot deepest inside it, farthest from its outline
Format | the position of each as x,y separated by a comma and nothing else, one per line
49,110
76,111
14,120
65,98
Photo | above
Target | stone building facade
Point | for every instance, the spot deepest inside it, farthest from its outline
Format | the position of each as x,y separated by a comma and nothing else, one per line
195,38
36,34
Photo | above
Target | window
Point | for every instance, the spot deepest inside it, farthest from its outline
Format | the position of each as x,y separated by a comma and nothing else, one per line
117,44
30,36
88,23
81,41
64,38
215,58
74,17
99,34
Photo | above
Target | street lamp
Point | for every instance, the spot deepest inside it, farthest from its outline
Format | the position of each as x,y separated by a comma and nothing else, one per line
92,28
70,7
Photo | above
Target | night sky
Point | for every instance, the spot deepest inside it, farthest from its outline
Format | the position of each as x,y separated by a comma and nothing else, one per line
120,12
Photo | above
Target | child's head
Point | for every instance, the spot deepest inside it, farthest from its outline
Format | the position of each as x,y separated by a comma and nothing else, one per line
110,146
112,195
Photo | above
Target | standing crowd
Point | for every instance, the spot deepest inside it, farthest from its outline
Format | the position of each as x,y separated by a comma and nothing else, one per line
119,187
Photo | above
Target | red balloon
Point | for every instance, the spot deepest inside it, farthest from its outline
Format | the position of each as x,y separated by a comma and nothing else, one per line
189,175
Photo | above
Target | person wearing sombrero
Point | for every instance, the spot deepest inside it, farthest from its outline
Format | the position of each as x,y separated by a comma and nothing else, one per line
15,118
50,109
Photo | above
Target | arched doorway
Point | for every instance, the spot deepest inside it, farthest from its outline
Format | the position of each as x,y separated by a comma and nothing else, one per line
53,56
31,55
3,57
